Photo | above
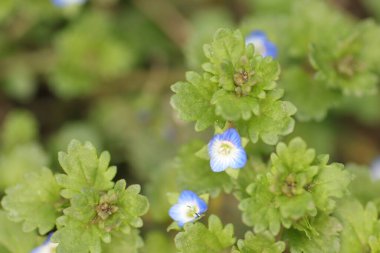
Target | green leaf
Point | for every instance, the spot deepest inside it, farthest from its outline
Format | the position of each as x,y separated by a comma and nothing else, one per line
83,169
259,243
158,242
193,100
235,67
260,209
232,107
20,160
93,216
298,185
20,127
198,238
130,243
13,239
330,184
36,201
274,119
309,94
320,234
195,174
342,64
359,225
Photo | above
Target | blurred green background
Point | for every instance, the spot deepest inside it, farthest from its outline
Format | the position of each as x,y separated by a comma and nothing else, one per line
102,72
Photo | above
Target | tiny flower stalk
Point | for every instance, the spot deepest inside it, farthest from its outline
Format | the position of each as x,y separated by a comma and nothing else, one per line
226,151
189,208
263,46
46,247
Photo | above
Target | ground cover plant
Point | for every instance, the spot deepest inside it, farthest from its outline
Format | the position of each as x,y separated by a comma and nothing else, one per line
205,127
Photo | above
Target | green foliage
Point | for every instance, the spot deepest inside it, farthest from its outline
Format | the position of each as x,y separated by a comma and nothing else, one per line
192,100
83,169
259,243
13,239
158,242
98,54
318,234
36,201
309,107
238,86
19,153
299,185
93,210
19,127
93,216
194,173
198,238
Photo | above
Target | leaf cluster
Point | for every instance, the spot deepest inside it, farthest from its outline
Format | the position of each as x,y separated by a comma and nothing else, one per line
236,86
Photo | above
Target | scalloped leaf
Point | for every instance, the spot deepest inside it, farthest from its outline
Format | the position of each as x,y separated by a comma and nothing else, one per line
198,238
84,169
35,201
193,100
259,243
273,121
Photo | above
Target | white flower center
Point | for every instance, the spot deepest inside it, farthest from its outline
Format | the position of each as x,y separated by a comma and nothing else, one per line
225,148
192,211
259,46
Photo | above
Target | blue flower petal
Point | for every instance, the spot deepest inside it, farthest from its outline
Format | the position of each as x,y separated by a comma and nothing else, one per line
218,165
65,3
256,35
47,246
233,136
271,49
240,159
187,196
187,201
262,44
234,158
176,212
201,205
375,169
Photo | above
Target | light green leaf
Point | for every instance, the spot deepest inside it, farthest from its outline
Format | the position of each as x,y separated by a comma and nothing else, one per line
259,243
35,201
13,239
83,169
320,234
195,174
198,238
274,119
193,100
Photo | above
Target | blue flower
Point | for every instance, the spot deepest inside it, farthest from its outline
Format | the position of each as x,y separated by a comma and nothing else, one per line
46,247
262,45
189,208
225,151
66,3
375,169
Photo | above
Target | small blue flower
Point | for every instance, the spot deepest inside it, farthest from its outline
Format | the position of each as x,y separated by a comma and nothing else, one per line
46,247
67,3
189,208
375,169
225,151
262,45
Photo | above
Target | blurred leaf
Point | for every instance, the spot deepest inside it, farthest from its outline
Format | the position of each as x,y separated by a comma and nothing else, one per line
35,201
197,238
20,160
260,243
19,127
12,239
